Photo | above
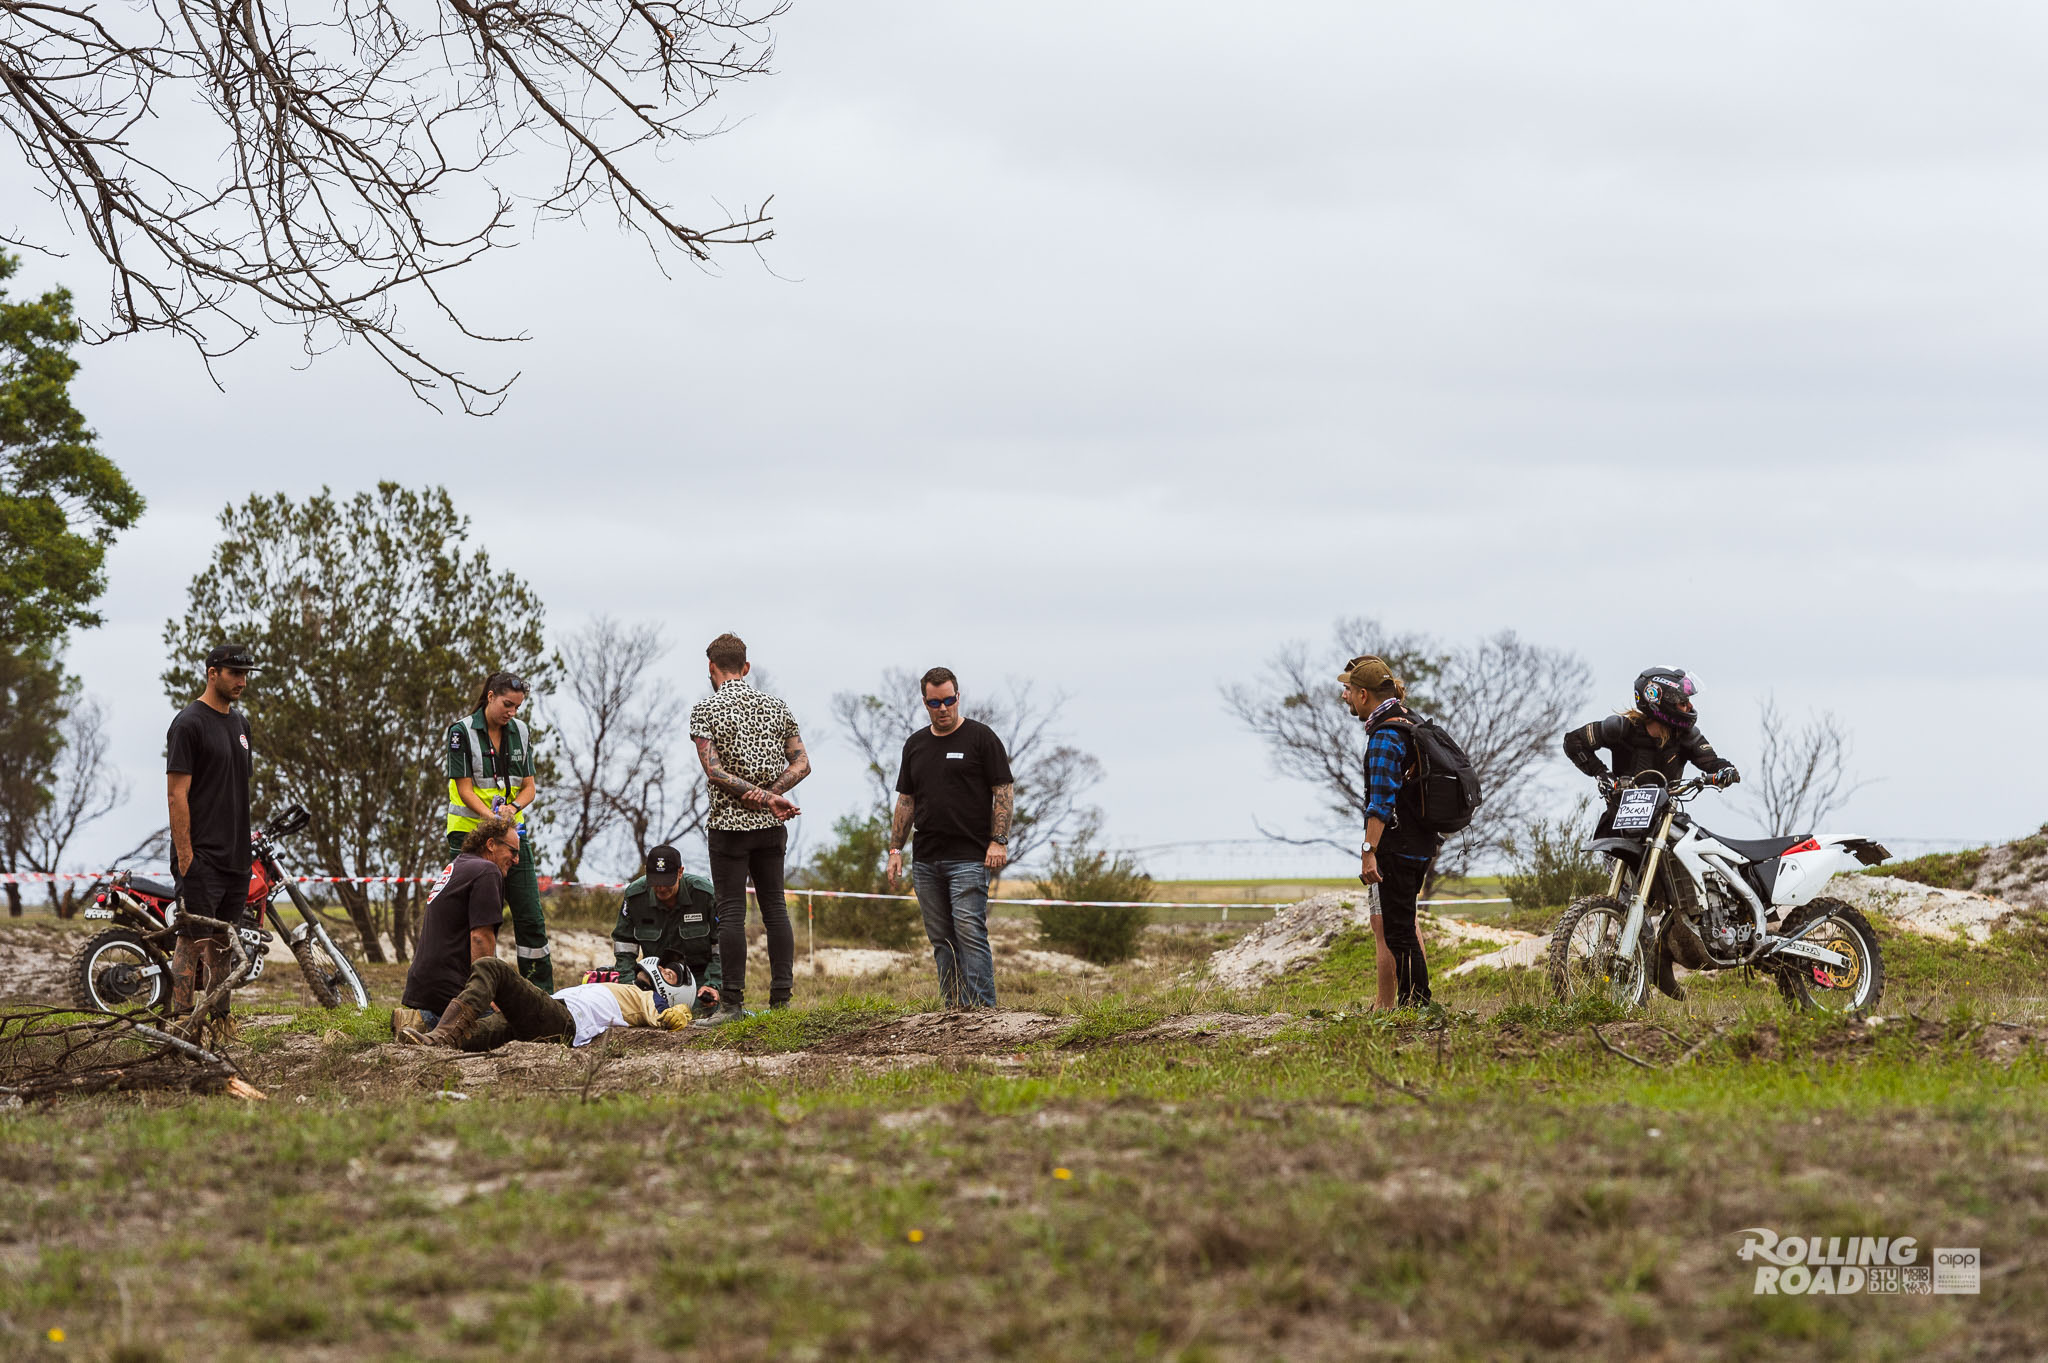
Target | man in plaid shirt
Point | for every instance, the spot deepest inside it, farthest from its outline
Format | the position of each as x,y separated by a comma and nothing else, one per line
1394,860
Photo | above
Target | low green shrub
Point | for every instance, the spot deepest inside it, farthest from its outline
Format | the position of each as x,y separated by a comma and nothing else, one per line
858,859
1551,864
1081,871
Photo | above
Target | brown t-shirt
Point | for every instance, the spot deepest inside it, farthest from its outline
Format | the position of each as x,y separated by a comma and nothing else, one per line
471,895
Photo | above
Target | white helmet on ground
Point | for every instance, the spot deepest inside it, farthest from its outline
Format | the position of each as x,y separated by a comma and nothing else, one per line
666,995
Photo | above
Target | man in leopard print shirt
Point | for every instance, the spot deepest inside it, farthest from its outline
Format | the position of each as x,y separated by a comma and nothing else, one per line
752,756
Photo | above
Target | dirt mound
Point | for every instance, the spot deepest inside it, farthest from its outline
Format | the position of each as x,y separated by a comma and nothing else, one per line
1290,940
2016,872
1530,952
34,961
991,1032
1912,907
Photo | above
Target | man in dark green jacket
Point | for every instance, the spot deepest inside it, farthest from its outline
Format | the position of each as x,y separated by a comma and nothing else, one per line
669,914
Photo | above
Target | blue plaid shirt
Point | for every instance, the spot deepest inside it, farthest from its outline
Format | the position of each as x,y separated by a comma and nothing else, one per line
1386,761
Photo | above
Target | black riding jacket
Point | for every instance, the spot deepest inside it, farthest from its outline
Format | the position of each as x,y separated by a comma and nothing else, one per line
1636,752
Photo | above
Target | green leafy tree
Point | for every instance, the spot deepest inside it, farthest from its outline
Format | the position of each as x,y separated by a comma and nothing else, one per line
61,500
376,627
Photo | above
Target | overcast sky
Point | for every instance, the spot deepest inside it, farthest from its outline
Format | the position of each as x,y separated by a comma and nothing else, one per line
1114,346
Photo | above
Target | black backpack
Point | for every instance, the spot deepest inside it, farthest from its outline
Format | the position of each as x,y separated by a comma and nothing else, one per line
1446,787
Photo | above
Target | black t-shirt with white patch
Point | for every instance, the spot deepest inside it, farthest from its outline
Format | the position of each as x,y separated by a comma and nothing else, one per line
950,781
471,895
213,749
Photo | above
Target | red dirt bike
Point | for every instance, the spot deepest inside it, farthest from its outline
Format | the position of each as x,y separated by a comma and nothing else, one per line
129,965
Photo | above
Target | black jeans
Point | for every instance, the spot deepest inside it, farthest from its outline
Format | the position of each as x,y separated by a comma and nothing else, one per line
736,857
1400,886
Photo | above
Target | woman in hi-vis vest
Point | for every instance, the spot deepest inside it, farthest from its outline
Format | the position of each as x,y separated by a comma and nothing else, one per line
490,770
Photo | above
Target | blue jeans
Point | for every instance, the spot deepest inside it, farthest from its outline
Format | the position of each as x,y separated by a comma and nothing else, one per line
954,898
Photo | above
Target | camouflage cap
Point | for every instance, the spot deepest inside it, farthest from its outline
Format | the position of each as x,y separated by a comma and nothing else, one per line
1367,673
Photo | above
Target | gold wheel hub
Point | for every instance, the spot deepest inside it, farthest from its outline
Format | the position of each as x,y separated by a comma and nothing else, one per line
1850,975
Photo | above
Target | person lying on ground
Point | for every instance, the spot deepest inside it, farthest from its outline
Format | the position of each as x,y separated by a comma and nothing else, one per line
669,914
460,925
578,1015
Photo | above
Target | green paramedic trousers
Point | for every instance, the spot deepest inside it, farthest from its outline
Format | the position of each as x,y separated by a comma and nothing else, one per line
529,924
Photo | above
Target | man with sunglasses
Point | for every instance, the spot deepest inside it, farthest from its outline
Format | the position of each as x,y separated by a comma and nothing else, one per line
955,786
209,765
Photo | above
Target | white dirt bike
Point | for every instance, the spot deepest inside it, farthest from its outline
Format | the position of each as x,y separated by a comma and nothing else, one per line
1681,895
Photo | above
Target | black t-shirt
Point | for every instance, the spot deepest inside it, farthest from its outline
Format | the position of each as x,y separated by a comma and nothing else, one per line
213,748
472,896
949,781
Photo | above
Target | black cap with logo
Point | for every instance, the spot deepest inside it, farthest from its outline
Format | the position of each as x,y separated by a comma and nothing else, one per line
233,655
664,867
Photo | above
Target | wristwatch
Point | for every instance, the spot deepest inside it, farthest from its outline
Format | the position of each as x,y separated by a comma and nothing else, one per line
1365,849
1003,841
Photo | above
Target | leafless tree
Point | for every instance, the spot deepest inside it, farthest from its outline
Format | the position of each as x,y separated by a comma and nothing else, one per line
618,737
1053,776
1505,701
1802,775
315,163
86,789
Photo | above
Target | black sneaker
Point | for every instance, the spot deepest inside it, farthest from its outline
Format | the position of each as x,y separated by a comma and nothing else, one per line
727,1012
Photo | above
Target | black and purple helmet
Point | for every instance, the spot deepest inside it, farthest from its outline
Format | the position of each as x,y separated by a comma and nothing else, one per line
1665,695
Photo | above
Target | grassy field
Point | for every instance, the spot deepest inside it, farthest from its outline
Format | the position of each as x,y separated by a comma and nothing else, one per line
1133,1165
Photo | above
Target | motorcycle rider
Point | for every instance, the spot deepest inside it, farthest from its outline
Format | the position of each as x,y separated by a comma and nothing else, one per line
1660,734
669,913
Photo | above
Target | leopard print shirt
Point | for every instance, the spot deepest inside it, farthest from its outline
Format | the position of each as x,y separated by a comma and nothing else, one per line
750,733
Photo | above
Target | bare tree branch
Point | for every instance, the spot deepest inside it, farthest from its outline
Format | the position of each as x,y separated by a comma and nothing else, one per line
617,739
315,164
1504,700
1802,774
86,790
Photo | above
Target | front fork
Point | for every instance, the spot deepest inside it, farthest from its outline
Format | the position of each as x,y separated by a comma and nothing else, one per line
1638,909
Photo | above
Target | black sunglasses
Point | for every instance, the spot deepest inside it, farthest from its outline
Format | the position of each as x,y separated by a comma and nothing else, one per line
941,703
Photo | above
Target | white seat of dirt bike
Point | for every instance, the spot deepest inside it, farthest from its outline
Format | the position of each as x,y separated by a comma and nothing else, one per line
1758,849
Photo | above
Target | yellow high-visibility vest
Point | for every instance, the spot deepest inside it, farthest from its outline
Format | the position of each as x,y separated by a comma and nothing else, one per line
517,752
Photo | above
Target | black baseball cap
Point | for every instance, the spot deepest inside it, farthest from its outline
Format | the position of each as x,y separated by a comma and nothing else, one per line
664,867
233,655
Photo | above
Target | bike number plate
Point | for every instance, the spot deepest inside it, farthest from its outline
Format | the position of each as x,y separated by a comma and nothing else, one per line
1635,811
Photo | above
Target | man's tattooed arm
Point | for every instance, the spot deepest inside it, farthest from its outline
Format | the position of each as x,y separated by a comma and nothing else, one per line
899,823
1005,800
739,787
799,766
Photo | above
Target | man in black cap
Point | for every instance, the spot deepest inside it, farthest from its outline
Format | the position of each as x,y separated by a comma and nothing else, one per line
670,914
208,765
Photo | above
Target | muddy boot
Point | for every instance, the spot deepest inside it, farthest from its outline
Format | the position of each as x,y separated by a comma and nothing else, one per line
404,1020
454,1028
184,977
1667,979
216,963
